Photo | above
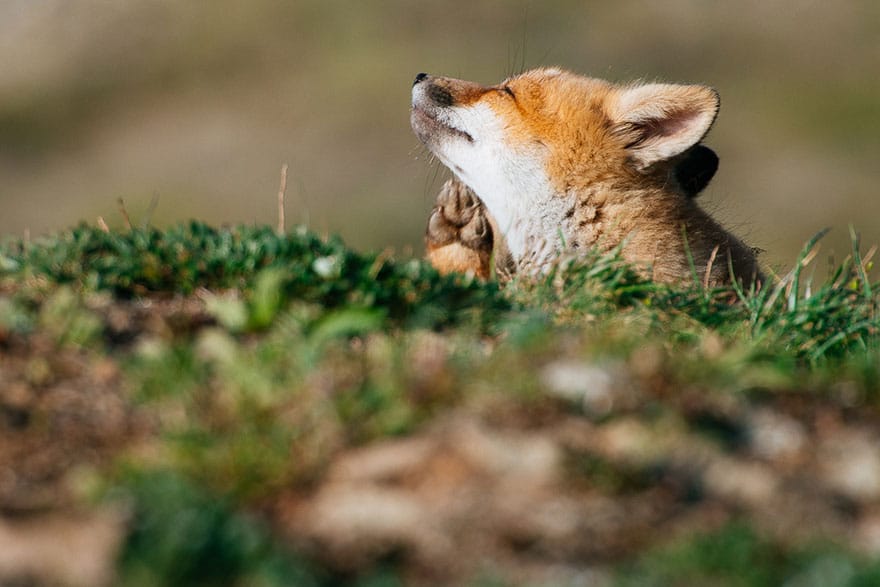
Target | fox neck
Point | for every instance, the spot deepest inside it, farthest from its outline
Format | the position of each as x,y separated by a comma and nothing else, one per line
528,212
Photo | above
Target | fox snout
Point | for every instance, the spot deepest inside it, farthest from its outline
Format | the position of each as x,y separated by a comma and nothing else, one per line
444,92
432,100
431,92
436,93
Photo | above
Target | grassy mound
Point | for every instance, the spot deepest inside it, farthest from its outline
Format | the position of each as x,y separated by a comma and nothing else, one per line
223,384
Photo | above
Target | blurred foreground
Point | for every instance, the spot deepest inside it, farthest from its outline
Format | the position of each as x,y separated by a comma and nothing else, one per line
200,406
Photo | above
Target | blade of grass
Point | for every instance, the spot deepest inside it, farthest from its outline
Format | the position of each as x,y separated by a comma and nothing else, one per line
867,291
807,254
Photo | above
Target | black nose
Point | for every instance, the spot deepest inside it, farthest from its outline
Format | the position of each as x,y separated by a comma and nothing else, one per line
420,77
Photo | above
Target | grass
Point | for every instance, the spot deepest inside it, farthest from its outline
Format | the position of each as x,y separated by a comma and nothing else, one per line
187,257
295,348
735,556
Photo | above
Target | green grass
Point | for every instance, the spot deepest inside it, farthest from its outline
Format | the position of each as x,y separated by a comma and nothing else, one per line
735,556
187,257
794,315
305,347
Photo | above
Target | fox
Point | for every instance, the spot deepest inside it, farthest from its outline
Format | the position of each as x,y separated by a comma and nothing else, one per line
550,162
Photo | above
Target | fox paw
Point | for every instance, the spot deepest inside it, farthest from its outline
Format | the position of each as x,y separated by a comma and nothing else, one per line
459,236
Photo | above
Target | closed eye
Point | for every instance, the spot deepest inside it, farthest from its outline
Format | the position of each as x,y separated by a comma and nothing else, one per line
508,91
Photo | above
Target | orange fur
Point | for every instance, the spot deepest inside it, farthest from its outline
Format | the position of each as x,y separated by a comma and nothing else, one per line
607,151
457,258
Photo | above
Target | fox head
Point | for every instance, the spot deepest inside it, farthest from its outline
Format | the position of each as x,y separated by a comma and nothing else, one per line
534,145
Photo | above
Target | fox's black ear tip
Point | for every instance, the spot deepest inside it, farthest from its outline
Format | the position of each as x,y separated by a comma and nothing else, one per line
696,170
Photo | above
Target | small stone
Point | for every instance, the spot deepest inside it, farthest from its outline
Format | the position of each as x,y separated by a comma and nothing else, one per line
867,535
599,389
773,435
849,462
740,481
61,549
326,267
216,345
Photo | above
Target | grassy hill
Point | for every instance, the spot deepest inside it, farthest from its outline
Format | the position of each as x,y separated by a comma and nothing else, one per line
233,406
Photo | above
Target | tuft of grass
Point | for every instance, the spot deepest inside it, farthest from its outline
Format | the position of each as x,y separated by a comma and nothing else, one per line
793,317
248,419
737,556
296,266
182,535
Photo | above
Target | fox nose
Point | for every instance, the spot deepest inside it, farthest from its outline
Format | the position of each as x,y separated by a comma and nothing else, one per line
420,77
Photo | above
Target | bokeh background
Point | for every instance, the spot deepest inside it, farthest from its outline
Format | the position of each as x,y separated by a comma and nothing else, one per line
199,104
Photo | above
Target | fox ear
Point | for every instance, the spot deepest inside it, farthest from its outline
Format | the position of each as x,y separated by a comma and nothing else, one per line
659,121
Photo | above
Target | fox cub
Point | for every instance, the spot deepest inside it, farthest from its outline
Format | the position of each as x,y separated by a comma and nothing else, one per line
549,161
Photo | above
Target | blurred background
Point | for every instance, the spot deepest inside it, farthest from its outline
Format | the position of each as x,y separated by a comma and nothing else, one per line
200,104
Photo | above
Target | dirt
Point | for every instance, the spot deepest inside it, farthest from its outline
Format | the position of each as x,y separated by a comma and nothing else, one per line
65,415
570,498
556,491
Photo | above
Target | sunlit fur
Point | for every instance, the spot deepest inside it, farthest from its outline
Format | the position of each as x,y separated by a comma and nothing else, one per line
571,162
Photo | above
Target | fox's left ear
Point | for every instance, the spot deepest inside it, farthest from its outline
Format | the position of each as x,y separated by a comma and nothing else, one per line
659,121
